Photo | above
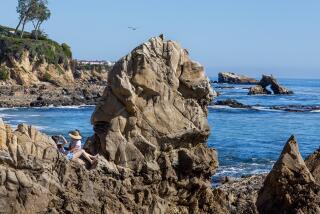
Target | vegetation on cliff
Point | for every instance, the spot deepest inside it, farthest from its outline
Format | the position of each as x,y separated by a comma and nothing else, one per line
43,49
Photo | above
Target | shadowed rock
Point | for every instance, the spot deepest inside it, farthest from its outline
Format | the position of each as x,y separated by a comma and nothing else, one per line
313,164
289,187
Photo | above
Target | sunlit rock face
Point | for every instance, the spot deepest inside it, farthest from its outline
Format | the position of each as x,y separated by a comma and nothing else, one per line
156,101
152,120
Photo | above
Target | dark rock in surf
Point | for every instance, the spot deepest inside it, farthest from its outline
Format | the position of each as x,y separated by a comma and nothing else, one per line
266,81
233,78
232,103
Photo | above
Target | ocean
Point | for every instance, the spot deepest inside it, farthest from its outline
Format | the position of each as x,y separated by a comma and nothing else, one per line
248,141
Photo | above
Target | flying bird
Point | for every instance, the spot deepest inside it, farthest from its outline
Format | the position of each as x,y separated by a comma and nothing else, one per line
133,28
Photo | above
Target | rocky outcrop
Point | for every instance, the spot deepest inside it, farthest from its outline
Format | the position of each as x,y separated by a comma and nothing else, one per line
232,78
152,121
289,187
150,133
242,194
266,81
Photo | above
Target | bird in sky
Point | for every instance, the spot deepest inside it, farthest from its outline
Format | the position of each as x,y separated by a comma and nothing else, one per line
133,28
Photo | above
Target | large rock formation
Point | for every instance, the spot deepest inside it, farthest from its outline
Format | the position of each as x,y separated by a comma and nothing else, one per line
266,81
232,78
289,187
150,133
152,121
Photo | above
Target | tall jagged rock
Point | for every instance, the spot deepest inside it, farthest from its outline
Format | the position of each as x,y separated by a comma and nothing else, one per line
289,187
153,120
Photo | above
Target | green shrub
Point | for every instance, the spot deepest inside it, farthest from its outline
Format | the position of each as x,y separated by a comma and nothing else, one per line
4,73
47,77
67,50
47,50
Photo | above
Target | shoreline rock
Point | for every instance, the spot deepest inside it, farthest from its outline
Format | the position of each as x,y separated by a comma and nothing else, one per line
233,78
232,103
261,87
289,187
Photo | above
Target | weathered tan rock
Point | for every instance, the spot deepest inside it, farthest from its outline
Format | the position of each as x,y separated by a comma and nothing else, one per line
153,119
289,187
27,72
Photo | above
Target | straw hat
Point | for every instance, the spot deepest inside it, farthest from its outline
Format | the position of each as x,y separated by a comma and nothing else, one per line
75,135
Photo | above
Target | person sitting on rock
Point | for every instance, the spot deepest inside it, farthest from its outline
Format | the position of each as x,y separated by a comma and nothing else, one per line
60,143
75,151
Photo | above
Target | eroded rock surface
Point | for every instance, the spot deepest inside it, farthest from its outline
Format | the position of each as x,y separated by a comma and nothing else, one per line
233,78
289,187
261,87
152,121
313,164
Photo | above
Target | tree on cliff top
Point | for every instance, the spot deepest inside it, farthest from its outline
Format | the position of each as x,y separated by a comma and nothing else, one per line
32,10
41,14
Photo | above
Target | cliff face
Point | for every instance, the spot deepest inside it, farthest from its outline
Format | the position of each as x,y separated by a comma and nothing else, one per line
28,72
28,61
150,132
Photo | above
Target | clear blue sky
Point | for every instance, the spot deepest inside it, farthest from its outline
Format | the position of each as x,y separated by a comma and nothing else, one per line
246,36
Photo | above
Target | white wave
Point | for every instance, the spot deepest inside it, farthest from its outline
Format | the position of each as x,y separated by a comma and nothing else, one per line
315,111
8,115
63,107
226,107
41,128
18,121
261,108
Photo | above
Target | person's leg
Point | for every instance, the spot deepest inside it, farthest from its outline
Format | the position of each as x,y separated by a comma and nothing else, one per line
88,156
85,155
77,155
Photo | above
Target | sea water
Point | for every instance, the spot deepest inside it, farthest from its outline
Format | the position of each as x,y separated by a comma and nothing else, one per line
247,141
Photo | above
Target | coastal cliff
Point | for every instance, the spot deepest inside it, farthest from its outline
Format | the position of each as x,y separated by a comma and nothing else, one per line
41,72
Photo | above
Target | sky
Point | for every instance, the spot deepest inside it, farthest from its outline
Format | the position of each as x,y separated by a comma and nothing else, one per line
252,37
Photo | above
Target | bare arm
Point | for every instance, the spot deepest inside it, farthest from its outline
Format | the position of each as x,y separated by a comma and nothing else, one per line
64,140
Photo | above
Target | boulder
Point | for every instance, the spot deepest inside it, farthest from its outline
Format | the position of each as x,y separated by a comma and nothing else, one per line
233,78
258,89
289,187
261,87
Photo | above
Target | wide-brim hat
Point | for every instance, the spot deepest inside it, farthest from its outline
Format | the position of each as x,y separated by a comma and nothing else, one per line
75,135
